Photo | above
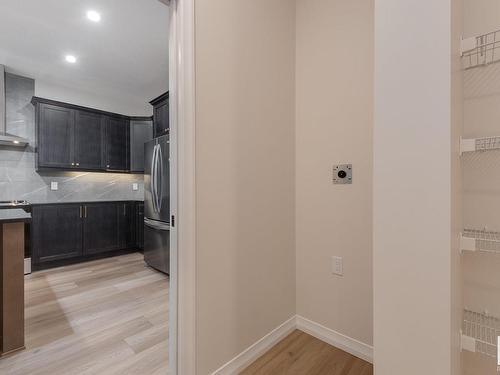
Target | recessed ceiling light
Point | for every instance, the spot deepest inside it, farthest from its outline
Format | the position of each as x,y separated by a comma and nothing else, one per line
71,59
93,16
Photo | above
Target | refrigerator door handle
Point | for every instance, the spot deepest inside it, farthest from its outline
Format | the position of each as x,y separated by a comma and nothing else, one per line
159,225
155,172
152,179
159,181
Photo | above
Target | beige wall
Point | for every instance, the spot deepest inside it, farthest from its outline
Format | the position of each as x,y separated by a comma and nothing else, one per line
334,125
284,91
413,261
245,171
480,16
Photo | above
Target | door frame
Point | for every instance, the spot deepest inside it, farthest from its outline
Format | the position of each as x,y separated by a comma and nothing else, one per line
182,296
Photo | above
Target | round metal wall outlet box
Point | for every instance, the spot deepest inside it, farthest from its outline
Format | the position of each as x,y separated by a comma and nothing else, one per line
342,174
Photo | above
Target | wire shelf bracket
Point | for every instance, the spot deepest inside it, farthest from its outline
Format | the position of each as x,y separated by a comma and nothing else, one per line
467,45
479,144
468,343
480,240
467,243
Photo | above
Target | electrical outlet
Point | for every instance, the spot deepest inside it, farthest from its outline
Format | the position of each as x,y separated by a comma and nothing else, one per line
54,185
135,186
338,266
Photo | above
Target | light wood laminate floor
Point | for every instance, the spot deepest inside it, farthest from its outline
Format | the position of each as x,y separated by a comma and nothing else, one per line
302,354
107,317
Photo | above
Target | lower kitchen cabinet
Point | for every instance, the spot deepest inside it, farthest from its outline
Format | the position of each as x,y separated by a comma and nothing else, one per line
69,233
126,224
101,231
56,233
139,226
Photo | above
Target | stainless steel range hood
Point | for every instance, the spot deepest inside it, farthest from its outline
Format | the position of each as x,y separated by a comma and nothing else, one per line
5,138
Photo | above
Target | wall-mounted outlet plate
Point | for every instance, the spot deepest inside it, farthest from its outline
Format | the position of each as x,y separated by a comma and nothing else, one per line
135,186
338,266
54,185
342,174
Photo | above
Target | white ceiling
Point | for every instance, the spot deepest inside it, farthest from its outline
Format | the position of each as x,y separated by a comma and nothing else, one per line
124,55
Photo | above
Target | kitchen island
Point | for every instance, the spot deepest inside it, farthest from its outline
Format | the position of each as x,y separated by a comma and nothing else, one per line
12,224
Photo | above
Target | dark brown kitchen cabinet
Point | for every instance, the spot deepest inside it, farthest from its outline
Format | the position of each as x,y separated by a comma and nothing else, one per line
101,230
55,136
117,153
141,131
70,233
139,225
88,140
161,115
56,232
126,223
71,137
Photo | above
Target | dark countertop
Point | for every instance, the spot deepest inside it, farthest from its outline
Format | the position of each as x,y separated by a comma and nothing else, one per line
14,216
87,202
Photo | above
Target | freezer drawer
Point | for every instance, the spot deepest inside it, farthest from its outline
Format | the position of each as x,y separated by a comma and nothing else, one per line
157,245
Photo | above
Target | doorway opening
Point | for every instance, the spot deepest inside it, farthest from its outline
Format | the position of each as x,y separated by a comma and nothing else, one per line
87,85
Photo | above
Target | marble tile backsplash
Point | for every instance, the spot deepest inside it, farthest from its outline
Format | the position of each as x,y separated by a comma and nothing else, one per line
19,179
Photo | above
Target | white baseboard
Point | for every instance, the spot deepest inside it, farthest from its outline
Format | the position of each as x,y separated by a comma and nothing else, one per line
251,354
346,343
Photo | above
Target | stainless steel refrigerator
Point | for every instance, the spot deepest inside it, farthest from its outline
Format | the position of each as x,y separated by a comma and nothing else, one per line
157,204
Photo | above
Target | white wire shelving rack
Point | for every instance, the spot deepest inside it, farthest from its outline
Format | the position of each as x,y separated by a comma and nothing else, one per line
479,144
481,50
480,333
480,240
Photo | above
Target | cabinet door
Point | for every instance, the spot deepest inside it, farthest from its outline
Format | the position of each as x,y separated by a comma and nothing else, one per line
161,118
126,214
139,226
140,133
88,140
57,232
55,136
100,228
117,144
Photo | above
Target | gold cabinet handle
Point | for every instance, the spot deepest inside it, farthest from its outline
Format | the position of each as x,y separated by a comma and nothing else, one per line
85,211
81,213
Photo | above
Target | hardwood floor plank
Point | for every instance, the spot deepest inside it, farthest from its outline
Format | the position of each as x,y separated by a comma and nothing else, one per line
95,318
302,354
145,339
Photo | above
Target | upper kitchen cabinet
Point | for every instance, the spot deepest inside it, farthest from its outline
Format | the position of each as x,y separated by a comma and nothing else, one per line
88,142
161,119
117,153
55,133
71,137
141,131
